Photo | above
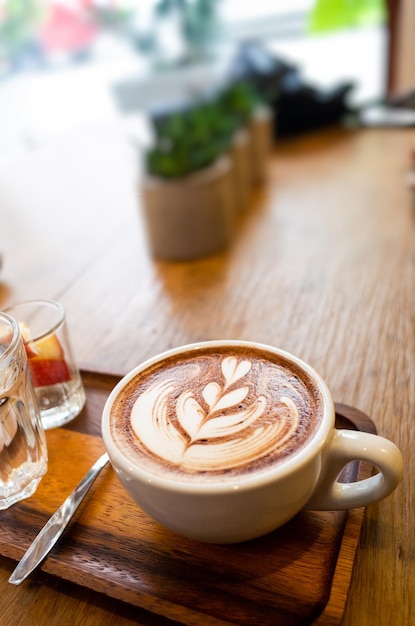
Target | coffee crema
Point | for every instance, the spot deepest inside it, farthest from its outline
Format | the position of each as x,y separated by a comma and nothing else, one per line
215,412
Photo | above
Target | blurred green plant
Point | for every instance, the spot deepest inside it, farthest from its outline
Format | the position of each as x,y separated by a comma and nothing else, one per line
199,23
188,140
114,17
329,15
18,26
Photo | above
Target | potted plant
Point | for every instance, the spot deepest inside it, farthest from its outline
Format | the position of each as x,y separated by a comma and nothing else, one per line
237,103
188,189
199,172
252,140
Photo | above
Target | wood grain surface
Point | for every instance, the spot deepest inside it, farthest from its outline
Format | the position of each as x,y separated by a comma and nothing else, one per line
323,266
112,547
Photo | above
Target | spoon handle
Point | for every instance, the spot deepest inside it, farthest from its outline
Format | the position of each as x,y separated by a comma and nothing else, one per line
53,529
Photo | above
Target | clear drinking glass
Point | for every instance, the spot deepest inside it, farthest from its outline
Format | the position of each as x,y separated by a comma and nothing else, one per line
58,385
23,452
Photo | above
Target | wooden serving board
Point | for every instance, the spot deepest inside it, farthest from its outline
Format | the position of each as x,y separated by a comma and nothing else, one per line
294,575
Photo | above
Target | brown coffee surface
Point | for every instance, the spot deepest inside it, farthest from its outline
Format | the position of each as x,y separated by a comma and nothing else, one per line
214,413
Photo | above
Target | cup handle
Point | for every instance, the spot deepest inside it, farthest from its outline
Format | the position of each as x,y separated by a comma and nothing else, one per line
347,446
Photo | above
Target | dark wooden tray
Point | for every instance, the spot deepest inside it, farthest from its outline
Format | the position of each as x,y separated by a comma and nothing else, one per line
295,575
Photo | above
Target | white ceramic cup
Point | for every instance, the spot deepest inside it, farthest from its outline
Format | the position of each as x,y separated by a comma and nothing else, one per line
249,506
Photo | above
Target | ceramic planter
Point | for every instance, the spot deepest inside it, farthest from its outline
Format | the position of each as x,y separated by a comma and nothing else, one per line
240,153
261,133
250,151
190,217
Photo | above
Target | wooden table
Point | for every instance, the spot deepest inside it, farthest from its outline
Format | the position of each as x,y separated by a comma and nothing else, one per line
323,265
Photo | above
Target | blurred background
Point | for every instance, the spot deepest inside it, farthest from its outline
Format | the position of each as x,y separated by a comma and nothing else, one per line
70,64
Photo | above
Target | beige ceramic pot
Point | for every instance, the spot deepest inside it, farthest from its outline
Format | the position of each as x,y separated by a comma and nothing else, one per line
240,153
261,132
191,217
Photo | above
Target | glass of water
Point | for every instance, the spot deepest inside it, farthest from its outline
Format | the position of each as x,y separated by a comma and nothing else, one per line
23,451
58,385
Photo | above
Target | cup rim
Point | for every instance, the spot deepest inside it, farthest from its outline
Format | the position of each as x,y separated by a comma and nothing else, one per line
240,482
41,301
15,338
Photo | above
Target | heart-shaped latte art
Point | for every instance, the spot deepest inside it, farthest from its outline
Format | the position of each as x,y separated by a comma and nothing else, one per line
224,432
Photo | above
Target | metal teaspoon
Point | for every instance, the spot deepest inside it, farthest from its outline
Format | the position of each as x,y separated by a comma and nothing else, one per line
53,529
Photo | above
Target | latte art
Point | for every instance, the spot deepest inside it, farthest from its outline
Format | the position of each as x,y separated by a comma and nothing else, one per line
211,439
214,414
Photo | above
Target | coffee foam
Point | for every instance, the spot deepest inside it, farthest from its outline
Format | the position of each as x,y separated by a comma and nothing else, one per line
215,413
